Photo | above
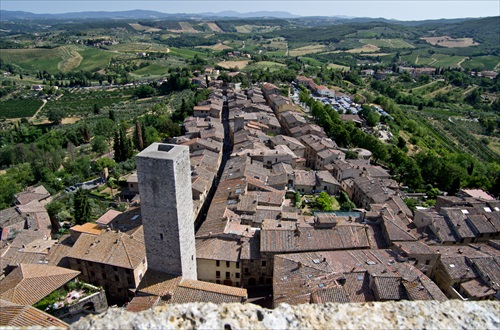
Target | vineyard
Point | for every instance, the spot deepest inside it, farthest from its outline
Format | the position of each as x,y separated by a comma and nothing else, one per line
19,108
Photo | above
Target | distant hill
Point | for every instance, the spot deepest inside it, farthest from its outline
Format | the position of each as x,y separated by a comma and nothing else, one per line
138,14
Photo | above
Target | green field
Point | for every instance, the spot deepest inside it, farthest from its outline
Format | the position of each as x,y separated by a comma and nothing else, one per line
94,59
387,43
19,108
338,67
151,70
481,63
33,59
272,66
185,53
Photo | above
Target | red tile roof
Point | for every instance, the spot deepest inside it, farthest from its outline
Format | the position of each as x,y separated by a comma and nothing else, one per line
28,283
19,316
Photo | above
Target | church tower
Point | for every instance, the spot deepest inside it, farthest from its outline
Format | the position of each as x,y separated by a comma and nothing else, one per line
164,175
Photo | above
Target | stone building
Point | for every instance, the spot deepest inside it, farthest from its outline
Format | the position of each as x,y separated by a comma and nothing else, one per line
167,209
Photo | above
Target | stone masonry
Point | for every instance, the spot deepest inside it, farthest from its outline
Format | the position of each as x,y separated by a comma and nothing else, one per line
164,177
451,314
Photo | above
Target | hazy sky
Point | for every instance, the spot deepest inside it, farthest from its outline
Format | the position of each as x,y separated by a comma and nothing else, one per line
397,9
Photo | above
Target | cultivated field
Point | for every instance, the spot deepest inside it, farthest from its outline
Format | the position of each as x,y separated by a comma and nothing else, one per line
233,64
311,49
144,28
365,49
217,47
388,43
338,67
449,42
71,59
214,27
19,108
255,28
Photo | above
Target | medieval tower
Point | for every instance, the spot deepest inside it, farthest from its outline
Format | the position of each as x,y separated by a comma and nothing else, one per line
164,175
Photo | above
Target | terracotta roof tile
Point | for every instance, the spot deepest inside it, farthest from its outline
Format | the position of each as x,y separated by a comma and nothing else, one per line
29,283
19,316
142,303
112,248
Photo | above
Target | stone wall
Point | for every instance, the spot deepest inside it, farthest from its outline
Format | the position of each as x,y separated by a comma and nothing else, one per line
452,314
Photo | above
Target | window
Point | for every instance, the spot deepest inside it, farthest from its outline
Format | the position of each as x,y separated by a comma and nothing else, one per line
115,268
263,263
78,261
228,263
117,279
237,275
217,263
104,275
237,265
161,236
217,274
228,275
247,271
427,262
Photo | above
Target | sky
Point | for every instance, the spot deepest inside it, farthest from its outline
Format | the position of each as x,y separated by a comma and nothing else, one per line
390,9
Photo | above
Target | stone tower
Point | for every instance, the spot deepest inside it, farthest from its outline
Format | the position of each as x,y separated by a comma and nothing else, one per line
164,175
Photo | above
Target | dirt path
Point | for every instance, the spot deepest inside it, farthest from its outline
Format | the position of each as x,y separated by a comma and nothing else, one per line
459,63
41,107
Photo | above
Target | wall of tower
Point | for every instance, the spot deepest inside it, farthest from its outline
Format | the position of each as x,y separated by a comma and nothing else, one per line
164,175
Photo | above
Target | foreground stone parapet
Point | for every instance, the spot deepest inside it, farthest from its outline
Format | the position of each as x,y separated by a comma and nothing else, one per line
452,314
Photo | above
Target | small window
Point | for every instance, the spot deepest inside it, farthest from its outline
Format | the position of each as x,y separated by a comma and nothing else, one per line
264,263
247,271
427,262
115,268
217,274
217,263
117,279
78,261
237,265
228,275
228,263
237,275
161,236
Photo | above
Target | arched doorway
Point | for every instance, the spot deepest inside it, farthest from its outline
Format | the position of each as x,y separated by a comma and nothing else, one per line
252,281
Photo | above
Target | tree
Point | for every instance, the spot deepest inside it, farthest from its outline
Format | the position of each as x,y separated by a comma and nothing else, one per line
345,203
81,206
324,201
56,115
122,146
297,199
102,163
139,143
105,127
144,91
99,144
